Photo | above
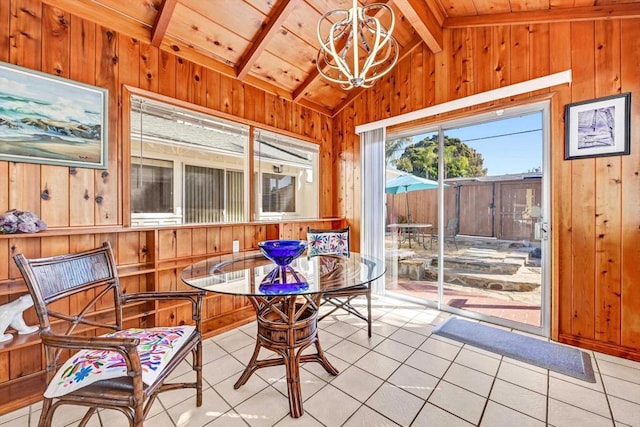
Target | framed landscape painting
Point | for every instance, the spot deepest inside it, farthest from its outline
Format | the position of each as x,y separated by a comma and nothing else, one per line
51,120
598,127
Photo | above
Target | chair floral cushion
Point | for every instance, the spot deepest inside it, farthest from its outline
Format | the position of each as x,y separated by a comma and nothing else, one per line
328,243
157,347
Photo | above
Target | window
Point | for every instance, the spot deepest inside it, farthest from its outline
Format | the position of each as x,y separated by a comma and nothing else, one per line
278,193
286,173
151,185
190,168
186,167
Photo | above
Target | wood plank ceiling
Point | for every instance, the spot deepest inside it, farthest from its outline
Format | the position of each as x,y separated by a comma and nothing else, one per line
272,44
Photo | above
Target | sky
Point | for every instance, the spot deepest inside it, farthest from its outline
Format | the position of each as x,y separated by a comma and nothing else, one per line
510,145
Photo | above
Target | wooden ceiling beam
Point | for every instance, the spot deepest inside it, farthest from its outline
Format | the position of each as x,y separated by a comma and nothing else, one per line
572,14
88,9
414,43
163,17
423,20
276,19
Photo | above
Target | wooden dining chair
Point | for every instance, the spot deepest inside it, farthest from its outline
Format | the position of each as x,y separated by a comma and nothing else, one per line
336,242
124,369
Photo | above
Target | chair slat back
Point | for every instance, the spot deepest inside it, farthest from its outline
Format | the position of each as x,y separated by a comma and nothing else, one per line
53,278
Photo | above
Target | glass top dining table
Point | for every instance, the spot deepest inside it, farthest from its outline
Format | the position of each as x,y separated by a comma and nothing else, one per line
251,274
286,301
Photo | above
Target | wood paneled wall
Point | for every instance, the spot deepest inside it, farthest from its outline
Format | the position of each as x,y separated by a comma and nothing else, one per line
45,38
84,206
595,202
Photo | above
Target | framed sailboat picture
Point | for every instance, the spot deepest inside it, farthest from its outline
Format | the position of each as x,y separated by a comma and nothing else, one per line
598,127
51,120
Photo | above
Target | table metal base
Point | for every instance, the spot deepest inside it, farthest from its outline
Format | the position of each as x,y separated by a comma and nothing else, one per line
287,325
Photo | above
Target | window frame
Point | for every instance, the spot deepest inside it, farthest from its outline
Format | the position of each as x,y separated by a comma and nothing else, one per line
248,163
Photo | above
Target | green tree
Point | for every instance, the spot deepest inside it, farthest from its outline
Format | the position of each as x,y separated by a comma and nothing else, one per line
393,148
460,160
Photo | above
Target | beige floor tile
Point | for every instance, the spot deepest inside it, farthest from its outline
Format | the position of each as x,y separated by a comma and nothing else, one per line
221,369
367,417
264,408
617,370
579,396
331,406
527,378
520,399
18,413
496,415
621,388
341,329
64,415
362,338
469,379
564,415
414,381
234,397
617,360
211,351
378,364
440,348
186,413
306,420
458,401
525,365
384,329
161,419
20,421
407,337
625,411
319,371
393,319
428,363
347,351
477,361
357,383
228,419
394,350
431,416
327,340
395,404
235,341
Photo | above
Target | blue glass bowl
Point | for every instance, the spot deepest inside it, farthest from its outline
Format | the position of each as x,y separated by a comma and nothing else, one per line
282,252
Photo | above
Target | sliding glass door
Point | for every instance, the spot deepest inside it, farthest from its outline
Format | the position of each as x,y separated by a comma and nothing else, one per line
474,243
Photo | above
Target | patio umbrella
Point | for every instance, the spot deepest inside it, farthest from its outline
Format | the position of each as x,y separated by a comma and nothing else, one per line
406,183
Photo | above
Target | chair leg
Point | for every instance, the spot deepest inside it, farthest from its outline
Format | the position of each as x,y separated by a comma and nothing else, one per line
47,413
197,366
369,311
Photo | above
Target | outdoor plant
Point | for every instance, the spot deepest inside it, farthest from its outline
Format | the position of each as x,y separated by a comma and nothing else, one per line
16,221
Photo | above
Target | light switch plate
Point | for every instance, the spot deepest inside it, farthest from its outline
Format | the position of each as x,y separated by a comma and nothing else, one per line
236,246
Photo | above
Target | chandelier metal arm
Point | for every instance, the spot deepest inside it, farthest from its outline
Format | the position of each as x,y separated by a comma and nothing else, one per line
357,32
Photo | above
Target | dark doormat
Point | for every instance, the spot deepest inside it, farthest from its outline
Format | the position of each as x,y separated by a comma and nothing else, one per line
559,358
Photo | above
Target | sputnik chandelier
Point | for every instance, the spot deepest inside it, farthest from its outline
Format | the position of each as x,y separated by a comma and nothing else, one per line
357,50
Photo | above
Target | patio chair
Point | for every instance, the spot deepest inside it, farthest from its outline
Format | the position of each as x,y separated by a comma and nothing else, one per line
451,230
122,370
336,242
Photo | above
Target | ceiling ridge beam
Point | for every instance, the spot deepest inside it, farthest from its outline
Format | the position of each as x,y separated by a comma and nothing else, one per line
409,47
582,13
276,19
424,21
161,23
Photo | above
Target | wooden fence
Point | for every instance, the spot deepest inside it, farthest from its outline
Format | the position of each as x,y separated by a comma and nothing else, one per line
504,209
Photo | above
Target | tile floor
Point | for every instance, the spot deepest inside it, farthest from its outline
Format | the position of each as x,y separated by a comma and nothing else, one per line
402,376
